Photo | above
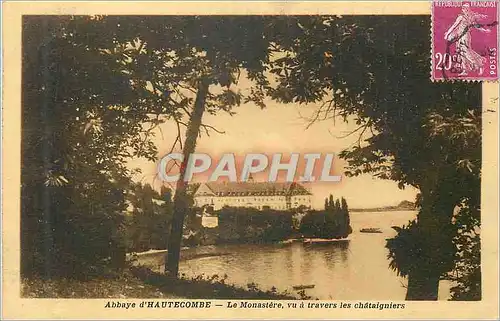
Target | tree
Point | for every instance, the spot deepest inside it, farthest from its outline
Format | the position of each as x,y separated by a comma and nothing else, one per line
76,135
211,53
331,202
467,271
149,219
345,216
150,70
337,208
333,222
374,71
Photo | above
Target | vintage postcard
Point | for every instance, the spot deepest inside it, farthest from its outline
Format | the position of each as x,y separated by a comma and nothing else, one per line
250,160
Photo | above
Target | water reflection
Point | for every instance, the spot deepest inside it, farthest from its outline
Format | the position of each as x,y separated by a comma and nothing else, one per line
282,266
356,269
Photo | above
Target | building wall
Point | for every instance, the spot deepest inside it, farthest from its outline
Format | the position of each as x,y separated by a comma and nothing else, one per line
277,202
298,200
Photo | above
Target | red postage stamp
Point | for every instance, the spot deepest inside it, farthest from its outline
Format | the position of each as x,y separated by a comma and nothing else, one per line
465,40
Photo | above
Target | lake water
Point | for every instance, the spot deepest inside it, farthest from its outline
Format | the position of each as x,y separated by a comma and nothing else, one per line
354,270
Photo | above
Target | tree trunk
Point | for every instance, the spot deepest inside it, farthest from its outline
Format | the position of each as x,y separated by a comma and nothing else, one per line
422,287
438,250
181,205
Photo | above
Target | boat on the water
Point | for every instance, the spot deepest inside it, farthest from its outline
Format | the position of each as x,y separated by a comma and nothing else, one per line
370,230
303,287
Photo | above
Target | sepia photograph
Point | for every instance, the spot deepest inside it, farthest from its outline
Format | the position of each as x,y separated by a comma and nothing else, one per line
247,160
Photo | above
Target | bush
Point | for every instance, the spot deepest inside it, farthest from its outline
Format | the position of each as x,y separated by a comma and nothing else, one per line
73,231
242,224
148,225
332,223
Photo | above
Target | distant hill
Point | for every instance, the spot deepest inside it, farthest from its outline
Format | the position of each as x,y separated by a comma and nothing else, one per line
403,206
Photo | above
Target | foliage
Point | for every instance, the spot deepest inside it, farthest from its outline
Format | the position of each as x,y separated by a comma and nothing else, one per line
140,282
242,224
414,247
77,134
121,286
333,222
467,271
409,252
181,67
149,220
374,71
202,287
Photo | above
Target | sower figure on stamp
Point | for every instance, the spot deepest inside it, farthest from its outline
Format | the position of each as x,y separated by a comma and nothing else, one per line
460,34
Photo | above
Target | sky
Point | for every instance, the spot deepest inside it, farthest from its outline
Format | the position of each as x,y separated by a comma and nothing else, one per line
280,128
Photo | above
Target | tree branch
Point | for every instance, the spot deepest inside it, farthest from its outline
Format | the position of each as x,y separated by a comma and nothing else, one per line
208,127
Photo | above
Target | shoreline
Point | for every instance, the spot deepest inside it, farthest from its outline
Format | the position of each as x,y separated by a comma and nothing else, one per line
304,240
380,210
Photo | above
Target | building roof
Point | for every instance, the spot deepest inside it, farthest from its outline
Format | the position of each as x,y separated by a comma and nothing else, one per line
251,188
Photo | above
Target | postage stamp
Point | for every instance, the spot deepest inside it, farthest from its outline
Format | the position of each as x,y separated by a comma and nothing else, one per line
465,40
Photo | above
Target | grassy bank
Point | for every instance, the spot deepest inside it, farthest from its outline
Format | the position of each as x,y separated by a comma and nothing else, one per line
203,287
122,286
141,282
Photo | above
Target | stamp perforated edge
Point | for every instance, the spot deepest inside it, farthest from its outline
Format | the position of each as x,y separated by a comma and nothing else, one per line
466,79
